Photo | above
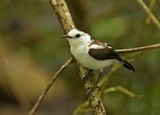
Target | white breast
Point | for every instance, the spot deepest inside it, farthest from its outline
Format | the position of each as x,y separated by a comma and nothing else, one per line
80,53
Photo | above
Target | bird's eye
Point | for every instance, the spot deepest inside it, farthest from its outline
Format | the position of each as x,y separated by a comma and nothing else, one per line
77,35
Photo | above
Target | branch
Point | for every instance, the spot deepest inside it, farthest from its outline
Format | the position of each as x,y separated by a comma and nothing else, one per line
149,13
94,94
44,93
120,89
143,48
104,82
63,14
151,7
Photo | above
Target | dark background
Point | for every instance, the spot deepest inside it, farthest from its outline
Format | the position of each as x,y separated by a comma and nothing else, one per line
31,50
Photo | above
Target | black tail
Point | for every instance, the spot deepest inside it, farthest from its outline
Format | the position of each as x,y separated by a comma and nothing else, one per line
127,65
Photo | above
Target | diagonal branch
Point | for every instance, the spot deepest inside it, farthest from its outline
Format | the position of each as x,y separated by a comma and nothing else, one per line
149,13
63,14
151,7
44,93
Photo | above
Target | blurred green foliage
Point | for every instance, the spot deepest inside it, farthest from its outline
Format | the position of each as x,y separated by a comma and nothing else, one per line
31,50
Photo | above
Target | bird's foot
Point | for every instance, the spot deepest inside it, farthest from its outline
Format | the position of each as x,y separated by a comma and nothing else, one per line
91,89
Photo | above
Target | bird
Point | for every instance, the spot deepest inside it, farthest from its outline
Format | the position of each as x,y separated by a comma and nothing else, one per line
92,53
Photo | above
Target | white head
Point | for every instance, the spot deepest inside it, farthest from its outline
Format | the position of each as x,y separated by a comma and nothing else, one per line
77,37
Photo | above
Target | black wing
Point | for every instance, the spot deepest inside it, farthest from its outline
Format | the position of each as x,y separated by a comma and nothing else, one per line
103,54
109,53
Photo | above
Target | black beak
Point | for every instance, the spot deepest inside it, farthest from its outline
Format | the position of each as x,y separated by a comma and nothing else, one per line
66,36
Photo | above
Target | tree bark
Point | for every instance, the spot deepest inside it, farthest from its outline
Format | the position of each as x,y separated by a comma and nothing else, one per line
93,92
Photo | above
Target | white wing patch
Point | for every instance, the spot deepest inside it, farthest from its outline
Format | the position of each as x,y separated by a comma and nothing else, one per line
96,46
109,47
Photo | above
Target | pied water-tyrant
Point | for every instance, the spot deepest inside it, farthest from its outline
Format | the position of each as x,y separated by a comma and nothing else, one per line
91,53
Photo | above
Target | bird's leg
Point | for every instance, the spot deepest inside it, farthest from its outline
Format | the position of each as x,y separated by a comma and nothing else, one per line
87,75
94,87
99,77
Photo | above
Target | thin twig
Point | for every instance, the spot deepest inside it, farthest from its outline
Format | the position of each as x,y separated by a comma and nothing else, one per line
41,97
104,82
151,6
149,13
109,74
81,108
121,89
137,49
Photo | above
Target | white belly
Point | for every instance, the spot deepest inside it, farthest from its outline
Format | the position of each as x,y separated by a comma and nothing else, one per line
81,55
